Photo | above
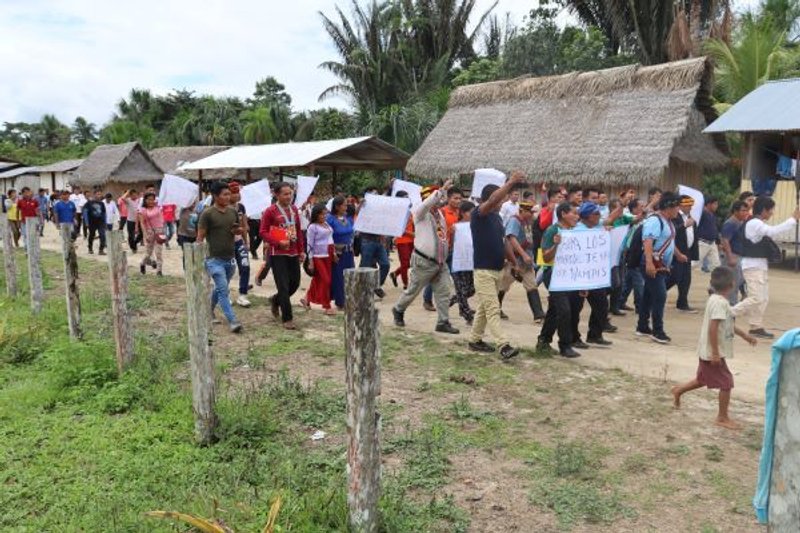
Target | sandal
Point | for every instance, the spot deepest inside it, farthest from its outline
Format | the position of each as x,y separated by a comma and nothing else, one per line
305,304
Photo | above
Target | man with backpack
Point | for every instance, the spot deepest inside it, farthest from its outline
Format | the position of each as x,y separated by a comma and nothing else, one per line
758,250
658,245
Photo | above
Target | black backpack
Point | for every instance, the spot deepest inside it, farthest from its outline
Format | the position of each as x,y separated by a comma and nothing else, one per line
633,255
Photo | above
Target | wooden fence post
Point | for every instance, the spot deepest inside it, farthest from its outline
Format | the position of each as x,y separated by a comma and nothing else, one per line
9,258
363,375
118,271
34,265
71,282
198,311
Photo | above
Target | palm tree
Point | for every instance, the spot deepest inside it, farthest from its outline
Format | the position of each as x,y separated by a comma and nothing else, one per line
51,132
259,127
753,58
83,131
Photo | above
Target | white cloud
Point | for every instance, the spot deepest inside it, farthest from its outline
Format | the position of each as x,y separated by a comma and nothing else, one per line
78,57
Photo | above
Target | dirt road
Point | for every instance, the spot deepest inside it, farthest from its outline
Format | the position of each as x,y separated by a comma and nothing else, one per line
637,356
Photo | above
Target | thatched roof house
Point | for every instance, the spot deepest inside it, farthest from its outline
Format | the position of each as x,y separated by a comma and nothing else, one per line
118,167
171,158
629,125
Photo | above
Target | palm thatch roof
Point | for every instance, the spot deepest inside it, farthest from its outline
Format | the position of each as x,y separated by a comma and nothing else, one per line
122,163
620,126
62,166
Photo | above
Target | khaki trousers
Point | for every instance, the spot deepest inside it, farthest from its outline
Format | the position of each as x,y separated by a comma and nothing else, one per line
711,251
755,305
507,278
487,283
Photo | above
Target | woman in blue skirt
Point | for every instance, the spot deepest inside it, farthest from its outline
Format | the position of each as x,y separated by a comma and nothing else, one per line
342,225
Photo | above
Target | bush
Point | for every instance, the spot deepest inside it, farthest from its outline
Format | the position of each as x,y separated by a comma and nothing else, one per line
19,344
78,371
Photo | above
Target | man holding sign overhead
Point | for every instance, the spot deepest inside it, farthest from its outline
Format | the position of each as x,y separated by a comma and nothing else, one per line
429,260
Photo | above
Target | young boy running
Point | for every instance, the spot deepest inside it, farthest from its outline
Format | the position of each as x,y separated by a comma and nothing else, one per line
715,346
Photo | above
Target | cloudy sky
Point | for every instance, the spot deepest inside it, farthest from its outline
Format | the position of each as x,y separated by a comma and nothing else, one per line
78,57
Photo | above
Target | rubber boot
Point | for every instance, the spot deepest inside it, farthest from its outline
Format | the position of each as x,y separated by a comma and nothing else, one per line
500,296
535,303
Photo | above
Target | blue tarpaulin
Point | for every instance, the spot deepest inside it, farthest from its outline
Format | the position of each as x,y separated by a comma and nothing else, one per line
788,342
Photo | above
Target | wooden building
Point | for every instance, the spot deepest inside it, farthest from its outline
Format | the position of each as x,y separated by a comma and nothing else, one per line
116,168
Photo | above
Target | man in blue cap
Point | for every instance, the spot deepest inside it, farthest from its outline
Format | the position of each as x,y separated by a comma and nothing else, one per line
590,214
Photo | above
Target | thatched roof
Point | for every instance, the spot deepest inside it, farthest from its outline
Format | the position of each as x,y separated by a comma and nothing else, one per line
619,125
62,166
122,163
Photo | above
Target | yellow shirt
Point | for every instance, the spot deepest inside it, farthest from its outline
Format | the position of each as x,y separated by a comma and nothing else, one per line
13,211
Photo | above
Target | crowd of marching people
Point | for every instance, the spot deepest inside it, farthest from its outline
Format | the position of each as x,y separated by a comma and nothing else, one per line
516,231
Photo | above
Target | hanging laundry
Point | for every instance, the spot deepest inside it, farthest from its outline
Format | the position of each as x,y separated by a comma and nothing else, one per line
787,167
764,186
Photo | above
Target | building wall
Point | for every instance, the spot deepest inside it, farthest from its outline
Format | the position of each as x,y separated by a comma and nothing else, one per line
61,181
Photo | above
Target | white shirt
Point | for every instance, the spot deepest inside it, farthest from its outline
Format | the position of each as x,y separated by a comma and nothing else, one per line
509,209
112,212
756,230
689,230
79,200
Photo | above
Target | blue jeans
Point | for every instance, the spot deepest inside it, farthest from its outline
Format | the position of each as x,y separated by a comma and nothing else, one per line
632,282
221,271
243,264
654,298
372,253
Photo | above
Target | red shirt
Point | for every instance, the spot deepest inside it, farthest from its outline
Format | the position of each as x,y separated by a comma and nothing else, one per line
28,208
169,212
274,221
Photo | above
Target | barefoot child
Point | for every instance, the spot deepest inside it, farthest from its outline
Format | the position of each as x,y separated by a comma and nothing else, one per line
716,345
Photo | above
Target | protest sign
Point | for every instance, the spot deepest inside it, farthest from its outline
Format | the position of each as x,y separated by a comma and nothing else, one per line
256,198
414,191
617,240
383,215
305,186
177,191
583,261
699,200
484,177
462,248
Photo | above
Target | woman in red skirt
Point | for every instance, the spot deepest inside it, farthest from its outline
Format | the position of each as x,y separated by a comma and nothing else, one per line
319,242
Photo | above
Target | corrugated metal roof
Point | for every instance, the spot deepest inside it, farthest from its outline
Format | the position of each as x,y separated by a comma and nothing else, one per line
19,172
775,106
343,153
62,166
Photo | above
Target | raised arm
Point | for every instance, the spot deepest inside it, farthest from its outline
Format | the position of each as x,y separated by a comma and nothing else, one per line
497,198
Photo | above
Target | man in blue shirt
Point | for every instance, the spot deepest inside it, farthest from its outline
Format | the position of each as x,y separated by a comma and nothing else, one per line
708,234
44,209
731,243
64,211
519,237
658,243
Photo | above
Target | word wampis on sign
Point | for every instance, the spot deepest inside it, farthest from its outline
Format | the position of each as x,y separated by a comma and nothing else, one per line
583,261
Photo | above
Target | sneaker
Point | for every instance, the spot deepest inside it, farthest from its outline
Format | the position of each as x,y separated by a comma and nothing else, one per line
503,316
581,345
102,252
626,308
446,327
761,333
688,310
610,328
393,277
243,301
481,346
289,325
617,312
507,352
380,293
643,332
569,353
600,341
399,321
545,349
235,327
661,338
428,306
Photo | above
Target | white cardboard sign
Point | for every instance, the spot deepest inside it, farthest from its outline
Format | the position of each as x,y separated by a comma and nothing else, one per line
414,191
617,240
699,201
256,198
383,215
583,261
484,177
463,251
305,186
178,191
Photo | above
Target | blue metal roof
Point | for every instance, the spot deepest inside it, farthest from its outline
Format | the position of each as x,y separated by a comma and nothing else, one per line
775,106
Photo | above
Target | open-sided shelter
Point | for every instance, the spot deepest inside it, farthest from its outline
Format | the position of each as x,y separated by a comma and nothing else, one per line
116,168
630,126
170,159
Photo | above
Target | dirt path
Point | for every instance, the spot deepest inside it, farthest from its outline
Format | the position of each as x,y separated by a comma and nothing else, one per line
629,353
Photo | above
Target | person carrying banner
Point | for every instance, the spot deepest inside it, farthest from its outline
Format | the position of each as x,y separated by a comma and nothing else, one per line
561,305
374,253
405,247
280,227
488,241
758,249
464,281
519,238
429,261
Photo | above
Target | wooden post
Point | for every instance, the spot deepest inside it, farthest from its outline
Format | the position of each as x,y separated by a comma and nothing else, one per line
198,307
9,258
34,265
71,282
118,272
363,376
